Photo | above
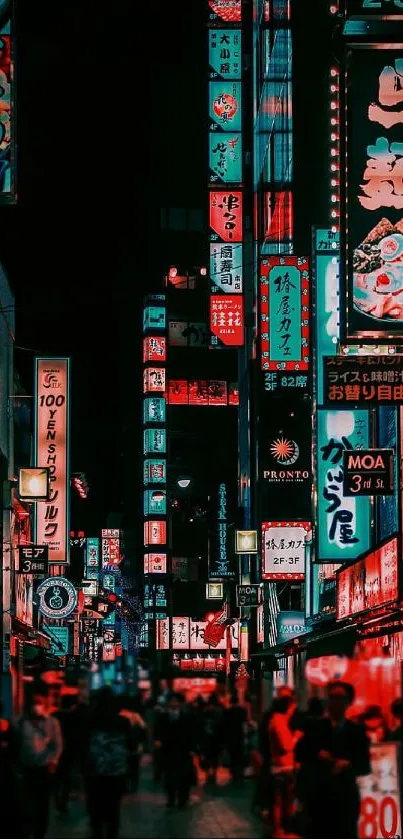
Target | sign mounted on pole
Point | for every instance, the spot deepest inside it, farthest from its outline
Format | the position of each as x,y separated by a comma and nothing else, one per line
248,595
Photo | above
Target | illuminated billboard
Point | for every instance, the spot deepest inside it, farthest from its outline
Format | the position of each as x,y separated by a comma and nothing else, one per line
327,300
225,106
52,438
374,192
225,158
226,268
226,223
283,549
229,11
363,380
227,319
154,348
343,523
225,54
369,583
284,313
375,7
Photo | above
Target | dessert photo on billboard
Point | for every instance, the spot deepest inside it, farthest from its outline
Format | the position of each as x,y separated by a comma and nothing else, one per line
378,272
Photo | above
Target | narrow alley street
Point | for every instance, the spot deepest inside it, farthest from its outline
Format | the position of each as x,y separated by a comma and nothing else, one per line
222,813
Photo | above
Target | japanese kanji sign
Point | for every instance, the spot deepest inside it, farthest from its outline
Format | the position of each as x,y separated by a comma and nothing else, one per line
225,106
52,435
227,319
368,583
226,268
363,380
283,549
33,559
343,523
225,54
110,548
375,192
7,102
226,223
375,7
154,348
225,158
284,313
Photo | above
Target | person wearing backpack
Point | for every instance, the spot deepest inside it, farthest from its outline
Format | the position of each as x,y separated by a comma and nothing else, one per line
40,745
109,745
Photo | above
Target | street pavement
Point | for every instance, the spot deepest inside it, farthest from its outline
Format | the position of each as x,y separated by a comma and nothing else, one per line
223,812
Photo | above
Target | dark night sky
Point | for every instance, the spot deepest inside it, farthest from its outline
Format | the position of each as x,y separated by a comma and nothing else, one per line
75,246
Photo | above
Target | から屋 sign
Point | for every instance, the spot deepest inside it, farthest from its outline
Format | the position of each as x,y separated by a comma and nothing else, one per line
368,472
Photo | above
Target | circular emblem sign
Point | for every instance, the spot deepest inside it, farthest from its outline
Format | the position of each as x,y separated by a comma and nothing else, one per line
285,451
57,597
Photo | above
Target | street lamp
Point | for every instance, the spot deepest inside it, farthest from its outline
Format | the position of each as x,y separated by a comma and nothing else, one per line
184,483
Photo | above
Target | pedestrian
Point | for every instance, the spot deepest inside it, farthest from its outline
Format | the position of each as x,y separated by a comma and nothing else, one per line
63,776
40,746
234,736
263,793
109,744
8,778
282,745
175,741
211,737
374,723
396,710
130,711
332,754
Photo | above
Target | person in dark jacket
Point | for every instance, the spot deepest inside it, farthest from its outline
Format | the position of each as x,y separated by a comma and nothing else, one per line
332,753
64,771
397,712
212,733
109,746
174,735
8,781
234,735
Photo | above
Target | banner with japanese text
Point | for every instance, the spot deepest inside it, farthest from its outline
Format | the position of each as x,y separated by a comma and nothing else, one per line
327,300
52,440
7,105
343,523
284,313
362,380
374,192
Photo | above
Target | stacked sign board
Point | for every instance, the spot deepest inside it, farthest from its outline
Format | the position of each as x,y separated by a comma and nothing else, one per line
225,176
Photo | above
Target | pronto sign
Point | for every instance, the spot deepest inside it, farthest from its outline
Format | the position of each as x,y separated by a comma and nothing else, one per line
52,384
368,472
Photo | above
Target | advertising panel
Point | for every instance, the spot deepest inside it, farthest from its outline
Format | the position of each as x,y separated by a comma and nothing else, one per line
327,299
154,409
155,532
52,435
225,158
154,348
110,548
155,502
225,53
92,556
225,106
227,319
368,472
226,268
155,563
363,380
229,11
283,549
154,471
59,638
24,593
284,313
343,523
221,557
154,317
154,440
226,222
290,625
381,806
7,105
198,392
374,192
368,583
183,333
375,7
33,559
285,457
154,380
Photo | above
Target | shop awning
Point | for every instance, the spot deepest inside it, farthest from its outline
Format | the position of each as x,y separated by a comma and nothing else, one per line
339,642
29,634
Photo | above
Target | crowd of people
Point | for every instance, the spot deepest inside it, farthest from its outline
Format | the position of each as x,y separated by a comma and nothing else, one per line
306,764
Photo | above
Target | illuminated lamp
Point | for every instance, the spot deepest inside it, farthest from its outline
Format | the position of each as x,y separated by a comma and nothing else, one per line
33,484
183,483
203,272
210,617
173,271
